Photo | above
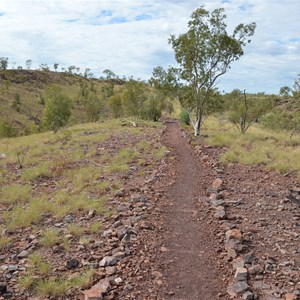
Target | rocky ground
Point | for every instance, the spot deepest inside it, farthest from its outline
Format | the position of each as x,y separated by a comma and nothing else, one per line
187,229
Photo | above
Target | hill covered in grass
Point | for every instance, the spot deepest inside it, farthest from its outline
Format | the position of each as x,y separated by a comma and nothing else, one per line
22,95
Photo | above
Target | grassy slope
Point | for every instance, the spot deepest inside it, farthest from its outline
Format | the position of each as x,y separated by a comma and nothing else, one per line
275,150
30,85
47,176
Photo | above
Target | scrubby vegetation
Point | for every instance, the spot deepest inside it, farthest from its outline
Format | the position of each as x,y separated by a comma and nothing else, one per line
33,101
48,179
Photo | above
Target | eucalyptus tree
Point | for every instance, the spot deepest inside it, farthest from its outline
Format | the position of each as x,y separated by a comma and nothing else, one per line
204,53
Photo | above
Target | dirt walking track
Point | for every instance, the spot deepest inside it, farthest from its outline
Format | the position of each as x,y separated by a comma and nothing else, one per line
191,271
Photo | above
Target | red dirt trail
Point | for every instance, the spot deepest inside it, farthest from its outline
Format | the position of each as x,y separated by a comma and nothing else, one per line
191,270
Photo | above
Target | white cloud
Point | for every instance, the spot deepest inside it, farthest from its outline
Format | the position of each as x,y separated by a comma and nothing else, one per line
131,37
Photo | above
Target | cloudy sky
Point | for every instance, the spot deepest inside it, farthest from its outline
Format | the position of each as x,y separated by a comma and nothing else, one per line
130,37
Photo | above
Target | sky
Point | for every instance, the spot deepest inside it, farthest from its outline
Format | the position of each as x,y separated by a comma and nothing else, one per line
130,37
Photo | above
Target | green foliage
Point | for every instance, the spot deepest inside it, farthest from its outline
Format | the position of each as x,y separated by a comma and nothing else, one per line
245,110
3,63
52,237
152,107
93,105
115,105
15,193
185,117
281,120
134,98
204,53
7,130
57,109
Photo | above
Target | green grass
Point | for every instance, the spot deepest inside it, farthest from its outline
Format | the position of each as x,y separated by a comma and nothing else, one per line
75,230
19,217
95,227
38,264
15,193
48,176
275,150
53,237
5,242
52,286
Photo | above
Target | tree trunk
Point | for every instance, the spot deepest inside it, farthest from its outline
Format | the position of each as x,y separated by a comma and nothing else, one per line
197,126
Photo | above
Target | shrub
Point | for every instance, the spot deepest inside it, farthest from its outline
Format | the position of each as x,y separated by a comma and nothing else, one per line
57,109
7,130
185,117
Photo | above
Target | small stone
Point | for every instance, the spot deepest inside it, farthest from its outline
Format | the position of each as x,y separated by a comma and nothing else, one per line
126,239
2,155
248,296
232,253
235,289
235,234
260,285
72,264
108,261
216,203
241,274
68,219
121,231
290,296
92,294
3,288
23,254
217,183
104,285
107,233
138,198
92,213
12,268
110,270
256,269
220,214
119,255
118,280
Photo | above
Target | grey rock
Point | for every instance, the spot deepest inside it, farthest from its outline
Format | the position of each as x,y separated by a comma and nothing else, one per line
68,219
3,288
220,214
118,280
248,296
72,264
12,268
138,198
126,239
23,254
237,288
2,155
108,261
121,231
117,224
107,233
260,285
119,255
110,270
241,274
216,203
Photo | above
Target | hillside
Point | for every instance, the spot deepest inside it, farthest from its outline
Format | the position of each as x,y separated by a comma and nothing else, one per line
29,87
111,211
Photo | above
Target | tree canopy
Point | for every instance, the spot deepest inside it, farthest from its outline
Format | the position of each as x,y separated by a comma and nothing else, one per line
204,53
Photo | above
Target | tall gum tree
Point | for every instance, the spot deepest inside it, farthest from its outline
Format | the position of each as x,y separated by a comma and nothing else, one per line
203,53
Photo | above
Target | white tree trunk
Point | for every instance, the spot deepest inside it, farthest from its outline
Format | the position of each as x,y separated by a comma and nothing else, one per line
196,124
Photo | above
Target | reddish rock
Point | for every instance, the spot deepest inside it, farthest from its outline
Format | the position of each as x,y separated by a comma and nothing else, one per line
235,234
217,183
